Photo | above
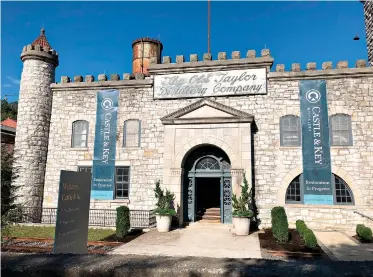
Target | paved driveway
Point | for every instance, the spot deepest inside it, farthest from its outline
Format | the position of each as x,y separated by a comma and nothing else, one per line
199,240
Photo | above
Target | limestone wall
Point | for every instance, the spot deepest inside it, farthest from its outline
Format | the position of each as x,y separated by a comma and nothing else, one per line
349,91
31,142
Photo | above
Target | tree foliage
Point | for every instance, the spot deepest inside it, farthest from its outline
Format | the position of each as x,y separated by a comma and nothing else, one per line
123,224
8,175
8,191
242,205
9,110
165,200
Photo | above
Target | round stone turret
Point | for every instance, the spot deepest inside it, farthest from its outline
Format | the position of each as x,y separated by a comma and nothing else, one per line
34,113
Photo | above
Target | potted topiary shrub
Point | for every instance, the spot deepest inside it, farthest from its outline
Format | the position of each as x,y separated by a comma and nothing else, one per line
164,210
242,214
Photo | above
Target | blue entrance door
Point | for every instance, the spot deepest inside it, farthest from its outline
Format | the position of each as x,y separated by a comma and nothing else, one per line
210,167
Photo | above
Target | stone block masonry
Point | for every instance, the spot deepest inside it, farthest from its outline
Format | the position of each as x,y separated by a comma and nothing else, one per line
34,110
274,166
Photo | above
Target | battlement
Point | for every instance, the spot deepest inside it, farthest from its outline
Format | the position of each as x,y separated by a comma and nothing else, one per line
311,66
39,48
250,60
222,56
39,52
102,78
207,63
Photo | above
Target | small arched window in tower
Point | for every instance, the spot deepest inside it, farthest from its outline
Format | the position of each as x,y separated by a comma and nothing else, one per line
290,131
340,130
342,193
132,133
208,163
79,134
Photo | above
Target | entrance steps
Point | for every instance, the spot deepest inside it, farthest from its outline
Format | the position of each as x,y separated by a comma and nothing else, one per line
211,215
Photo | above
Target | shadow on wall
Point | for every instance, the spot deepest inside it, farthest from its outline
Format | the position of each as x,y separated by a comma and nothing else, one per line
118,265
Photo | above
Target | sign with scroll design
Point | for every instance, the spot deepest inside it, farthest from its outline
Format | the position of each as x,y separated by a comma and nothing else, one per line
211,84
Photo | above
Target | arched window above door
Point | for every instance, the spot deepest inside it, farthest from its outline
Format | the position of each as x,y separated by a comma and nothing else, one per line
208,163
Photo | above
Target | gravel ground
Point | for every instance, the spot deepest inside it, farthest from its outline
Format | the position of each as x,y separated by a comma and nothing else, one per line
46,265
268,256
50,244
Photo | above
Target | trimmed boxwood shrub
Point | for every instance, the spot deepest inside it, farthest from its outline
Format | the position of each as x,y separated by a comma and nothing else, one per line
359,227
301,227
309,238
123,221
306,233
364,233
280,225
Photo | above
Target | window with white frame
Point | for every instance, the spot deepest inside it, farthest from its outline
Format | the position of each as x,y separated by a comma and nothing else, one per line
132,133
122,180
79,135
290,130
340,130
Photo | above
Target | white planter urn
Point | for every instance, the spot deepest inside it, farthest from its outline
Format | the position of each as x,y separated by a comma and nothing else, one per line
163,223
241,225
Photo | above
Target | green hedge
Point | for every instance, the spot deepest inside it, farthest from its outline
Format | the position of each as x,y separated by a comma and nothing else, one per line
280,225
301,227
306,233
364,233
309,238
123,221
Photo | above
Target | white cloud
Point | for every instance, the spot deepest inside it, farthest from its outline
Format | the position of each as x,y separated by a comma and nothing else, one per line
7,85
14,80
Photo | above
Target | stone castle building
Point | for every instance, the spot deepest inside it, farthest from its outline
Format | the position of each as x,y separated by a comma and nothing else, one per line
199,137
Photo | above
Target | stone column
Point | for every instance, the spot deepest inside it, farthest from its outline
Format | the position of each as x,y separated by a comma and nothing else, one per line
34,113
237,181
176,179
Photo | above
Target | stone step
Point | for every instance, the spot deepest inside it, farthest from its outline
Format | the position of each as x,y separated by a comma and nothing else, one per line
209,221
213,209
211,217
217,213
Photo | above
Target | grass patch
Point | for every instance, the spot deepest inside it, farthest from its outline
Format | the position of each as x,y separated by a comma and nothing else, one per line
48,232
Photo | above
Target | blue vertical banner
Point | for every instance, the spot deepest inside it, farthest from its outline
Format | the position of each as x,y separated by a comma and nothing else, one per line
103,171
317,174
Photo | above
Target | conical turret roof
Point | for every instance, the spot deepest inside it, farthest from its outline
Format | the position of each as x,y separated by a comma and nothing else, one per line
42,40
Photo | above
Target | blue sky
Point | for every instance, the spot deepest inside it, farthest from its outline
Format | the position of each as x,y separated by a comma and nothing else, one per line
95,37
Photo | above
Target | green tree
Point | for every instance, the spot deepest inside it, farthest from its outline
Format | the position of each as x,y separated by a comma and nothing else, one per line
165,200
242,205
8,110
8,191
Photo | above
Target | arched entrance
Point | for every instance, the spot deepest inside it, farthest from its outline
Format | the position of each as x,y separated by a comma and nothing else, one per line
207,184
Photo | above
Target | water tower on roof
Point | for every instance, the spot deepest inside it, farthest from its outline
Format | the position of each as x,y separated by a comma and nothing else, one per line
143,49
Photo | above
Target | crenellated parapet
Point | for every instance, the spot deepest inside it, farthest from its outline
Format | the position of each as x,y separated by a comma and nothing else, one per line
327,71
223,61
311,66
102,78
222,56
39,52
